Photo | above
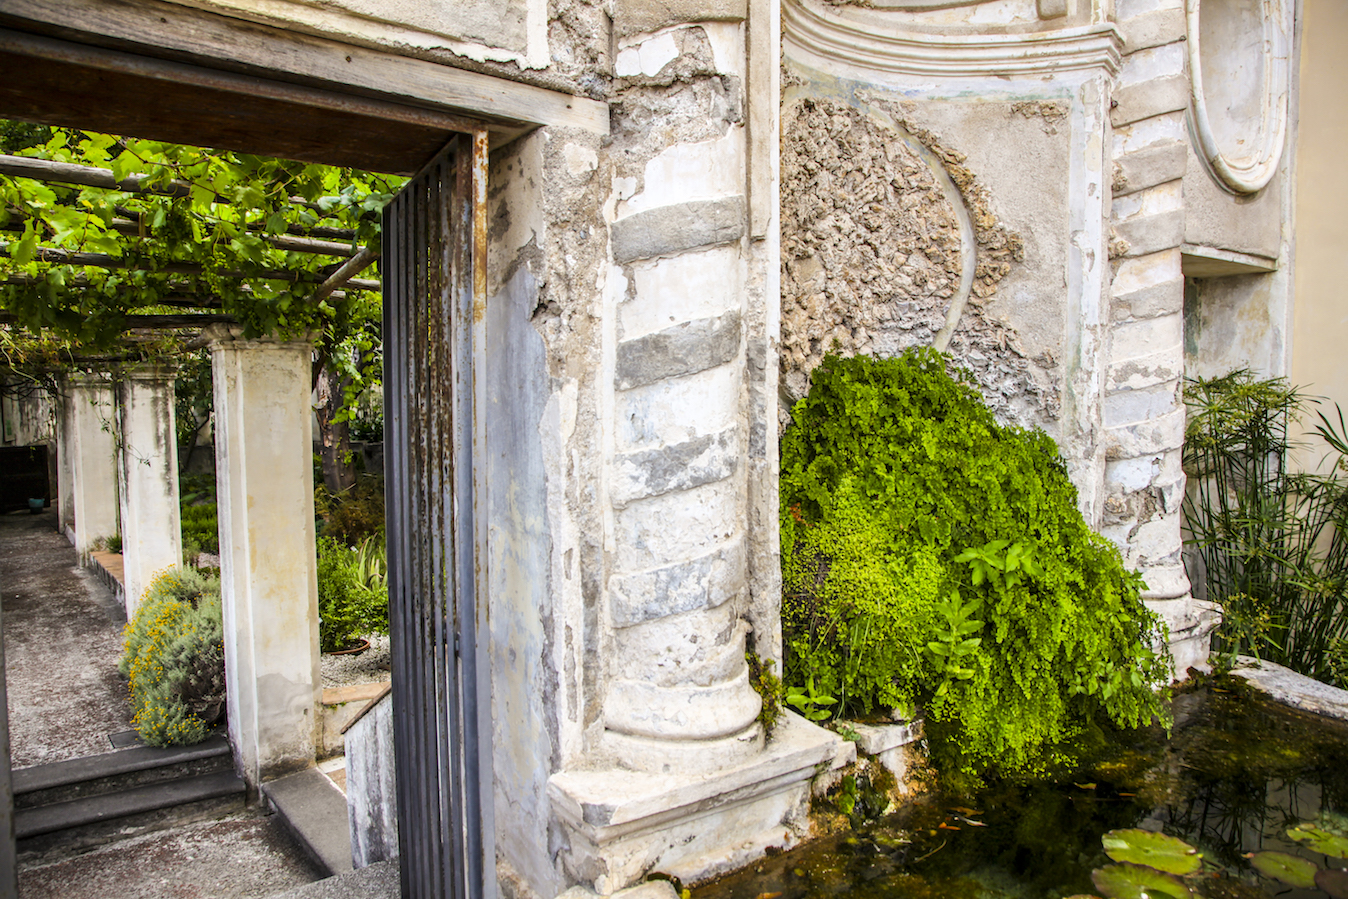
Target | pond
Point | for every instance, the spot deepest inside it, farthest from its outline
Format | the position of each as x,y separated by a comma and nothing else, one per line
1235,774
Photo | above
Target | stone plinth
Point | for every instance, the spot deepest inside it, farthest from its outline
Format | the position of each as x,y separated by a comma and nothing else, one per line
148,480
621,825
92,447
269,581
889,744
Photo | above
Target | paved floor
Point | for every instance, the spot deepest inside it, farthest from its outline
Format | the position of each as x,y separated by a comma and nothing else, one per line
63,637
242,857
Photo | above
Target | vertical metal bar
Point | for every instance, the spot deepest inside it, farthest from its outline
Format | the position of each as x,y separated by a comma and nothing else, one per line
435,349
9,877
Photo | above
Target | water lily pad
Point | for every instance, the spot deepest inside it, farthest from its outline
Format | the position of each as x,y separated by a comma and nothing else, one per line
1297,872
1334,882
1138,882
1320,840
1156,850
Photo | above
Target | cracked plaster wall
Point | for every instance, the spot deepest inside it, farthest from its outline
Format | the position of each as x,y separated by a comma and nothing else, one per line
885,228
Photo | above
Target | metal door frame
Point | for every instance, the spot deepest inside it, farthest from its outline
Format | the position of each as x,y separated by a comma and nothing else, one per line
435,284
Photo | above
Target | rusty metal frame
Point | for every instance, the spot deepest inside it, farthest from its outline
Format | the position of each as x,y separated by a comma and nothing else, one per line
435,240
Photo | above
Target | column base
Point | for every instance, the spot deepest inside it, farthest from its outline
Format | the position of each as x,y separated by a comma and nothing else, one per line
1191,622
622,825
656,756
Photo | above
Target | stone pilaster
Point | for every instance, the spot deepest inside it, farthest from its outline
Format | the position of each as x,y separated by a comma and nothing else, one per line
92,418
1143,406
148,479
265,497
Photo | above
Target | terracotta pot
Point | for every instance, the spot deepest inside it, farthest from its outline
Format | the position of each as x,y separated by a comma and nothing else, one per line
360,646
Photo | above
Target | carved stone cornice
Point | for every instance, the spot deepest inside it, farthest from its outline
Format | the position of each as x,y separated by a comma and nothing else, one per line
869,39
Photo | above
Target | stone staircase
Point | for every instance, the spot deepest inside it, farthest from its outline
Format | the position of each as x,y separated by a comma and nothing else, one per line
73,805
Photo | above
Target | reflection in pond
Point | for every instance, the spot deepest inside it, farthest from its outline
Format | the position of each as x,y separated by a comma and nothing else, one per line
1235,774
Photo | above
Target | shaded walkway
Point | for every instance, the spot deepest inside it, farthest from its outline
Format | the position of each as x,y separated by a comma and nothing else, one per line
63,637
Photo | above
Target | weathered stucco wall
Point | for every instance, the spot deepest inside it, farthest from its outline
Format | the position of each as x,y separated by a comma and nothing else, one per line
1321,329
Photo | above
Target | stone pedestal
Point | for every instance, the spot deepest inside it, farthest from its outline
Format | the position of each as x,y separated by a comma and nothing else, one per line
621,825
92,417
265,497
148,480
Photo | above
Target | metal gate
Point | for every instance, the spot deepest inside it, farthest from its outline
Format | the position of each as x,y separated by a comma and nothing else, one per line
434,250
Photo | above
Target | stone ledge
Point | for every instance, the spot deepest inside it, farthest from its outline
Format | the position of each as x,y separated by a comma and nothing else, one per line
1159,163
1289,688
1153,233
624,825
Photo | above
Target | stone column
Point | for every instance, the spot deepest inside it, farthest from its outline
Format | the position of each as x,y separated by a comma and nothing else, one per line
65,458
148,479
93,451
679,698
1143,404
265,498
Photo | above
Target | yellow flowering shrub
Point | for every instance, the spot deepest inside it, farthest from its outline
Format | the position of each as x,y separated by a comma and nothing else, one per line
174,659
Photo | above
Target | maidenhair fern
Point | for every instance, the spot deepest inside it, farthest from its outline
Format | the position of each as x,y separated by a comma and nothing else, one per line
935,559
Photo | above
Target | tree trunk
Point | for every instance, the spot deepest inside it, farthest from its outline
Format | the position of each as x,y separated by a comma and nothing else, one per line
339,472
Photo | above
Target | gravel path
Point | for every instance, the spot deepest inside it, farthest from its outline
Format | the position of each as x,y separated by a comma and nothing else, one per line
63,637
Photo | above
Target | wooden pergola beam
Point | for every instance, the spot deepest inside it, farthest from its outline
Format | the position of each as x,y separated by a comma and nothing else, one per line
290,242
100,260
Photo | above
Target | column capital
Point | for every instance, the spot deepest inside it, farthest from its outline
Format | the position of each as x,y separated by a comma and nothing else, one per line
220,336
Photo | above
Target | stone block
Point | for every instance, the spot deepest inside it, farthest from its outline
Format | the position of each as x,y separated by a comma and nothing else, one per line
1150,98
1133,406
1165,582
1145,66
1155,540
682,288
666,230
1145,339
1191,623
1131,475
1146,437
702,583
1148,167
1152,233
1165,298
889,744
1145,371
682,350
702,460
641,16
1135,273
1152,29
706,516
673,410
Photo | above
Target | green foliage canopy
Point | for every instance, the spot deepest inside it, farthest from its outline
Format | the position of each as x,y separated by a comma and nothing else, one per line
932,557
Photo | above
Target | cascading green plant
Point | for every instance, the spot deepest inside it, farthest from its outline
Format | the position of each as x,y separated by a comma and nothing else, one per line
934,558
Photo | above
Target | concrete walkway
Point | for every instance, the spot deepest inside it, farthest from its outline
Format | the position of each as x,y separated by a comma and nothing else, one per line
63,637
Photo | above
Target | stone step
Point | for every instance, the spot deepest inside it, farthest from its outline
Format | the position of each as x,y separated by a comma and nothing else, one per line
100,775
93,820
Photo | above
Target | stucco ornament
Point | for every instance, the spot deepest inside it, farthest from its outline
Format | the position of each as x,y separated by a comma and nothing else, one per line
1240,71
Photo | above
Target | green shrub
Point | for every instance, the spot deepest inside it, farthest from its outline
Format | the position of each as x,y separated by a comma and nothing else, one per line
200,528
933,558
354,515
174,658
352,592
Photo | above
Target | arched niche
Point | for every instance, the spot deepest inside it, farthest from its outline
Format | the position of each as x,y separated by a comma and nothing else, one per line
1239,63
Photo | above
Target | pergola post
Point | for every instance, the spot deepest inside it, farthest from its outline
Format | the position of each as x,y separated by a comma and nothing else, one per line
265,502
93,459
148,479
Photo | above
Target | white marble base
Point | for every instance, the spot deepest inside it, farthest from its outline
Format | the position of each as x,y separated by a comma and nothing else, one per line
622,825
